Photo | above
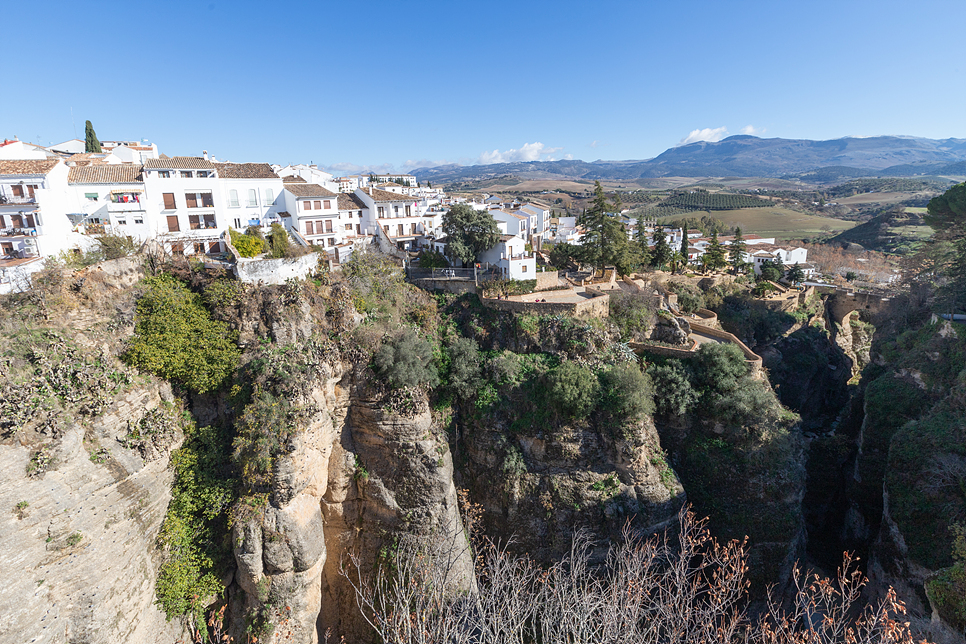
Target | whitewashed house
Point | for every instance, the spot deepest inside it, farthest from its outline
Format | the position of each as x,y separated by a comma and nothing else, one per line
516,224
311,174
510,256
250,192
314,213
398,215
110,197
185,204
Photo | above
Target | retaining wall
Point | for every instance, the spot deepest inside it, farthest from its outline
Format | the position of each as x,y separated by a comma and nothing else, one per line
662,350
448,285
753,358
597,307
272,271
547,280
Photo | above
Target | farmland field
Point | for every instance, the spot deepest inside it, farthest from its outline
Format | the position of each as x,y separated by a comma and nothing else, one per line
876,197
775,221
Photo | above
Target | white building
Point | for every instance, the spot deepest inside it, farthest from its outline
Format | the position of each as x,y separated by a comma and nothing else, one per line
539,218
34,202
311,174
511,257
314,213
516,224
398,215
251,194
19,150
131,151
109,198
185,204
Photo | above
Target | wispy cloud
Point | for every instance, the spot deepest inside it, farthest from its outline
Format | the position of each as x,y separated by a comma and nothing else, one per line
752,130
411,164
528,152
708,134
594,143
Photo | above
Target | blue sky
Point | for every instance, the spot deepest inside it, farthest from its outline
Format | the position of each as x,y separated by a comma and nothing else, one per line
377,84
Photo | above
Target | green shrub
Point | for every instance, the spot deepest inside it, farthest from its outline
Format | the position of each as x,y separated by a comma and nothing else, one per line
673,393
278,241
626,392
247,245
175,337
432,259
406,361
574,389
463,377
718,367
632,313
117,246
223,293
193,534
750,403
264,426
505,369
690,298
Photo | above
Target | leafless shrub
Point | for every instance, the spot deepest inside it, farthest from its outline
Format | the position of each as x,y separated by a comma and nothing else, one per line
683,589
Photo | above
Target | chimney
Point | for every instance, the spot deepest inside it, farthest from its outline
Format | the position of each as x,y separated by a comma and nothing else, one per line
370,191
204,153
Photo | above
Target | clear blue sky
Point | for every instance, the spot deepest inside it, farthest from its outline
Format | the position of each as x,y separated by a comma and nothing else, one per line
377,83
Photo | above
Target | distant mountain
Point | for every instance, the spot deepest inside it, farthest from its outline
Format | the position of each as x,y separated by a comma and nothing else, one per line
743,156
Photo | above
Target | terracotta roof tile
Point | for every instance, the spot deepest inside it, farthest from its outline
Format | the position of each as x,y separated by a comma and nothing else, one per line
351,202
179,163
245,171
308,190
117,173
383,195
293,179
27,166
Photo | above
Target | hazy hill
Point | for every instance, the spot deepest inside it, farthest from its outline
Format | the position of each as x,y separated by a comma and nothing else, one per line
744,156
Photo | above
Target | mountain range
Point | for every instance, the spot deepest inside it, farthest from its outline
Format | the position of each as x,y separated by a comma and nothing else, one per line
743,156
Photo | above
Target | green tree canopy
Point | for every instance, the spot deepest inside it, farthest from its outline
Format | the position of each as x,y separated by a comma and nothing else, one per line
736,252
662,253
573,389
469,232
175,337
406,361
715,253
796,274
604,240
947,212
91,144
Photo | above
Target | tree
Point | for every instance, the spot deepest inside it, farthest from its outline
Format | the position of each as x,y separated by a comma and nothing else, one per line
947,215
796,274
947,212
573,389
463,377
673,394
594,221
469,232
715,253
685,247
406,361
772,270
737,252
662,253
91,144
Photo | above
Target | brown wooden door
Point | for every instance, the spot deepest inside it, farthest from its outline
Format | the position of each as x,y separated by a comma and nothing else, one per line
173,226
6,249
29,221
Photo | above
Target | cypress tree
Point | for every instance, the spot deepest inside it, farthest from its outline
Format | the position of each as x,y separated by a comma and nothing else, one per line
716,253
737,251
662,250
684,244
91,144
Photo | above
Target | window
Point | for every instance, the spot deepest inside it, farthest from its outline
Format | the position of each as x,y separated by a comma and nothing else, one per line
327,204
122,222
238,224
165,174
386,228
199,199
358,229
382,211
17,191
401,233
203,174
318,205
173,226
523,268
308,228
138,220
177,248
196,222
412,228
360,214
331,241
90,196
169,203
186,174
395,210
269,197
191,199
348,227
233,199
215,247
199,248
306,205
328,226
252,197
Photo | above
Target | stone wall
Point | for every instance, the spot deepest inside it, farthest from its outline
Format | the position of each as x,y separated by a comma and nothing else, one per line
754,360
597,307
275,271
449,285
662,350
549,279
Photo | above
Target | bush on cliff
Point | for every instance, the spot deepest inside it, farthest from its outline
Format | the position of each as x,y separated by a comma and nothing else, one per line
673,393
463,376
574,389
626,392
406,361
175,337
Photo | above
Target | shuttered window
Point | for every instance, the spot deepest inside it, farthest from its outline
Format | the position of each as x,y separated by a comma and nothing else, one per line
173,226
252,198
17,191
308,228
232,198
328,204
169,202
328,226
318,205
306,205
191,199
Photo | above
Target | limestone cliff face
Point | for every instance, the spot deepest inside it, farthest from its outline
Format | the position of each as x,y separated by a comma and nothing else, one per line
80,556
352,481
538,488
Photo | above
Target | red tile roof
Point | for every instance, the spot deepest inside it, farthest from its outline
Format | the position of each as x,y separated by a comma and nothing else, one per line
27,166
308,190
245,171
117,173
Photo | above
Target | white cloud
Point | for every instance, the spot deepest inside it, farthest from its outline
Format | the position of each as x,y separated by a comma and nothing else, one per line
708,134
752,130
411,164
528,152
594,143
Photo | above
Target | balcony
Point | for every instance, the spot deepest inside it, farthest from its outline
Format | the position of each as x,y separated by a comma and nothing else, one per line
32,231
132,206
10,200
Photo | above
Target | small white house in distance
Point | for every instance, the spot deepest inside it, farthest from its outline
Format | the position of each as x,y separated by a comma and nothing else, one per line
20,150
110,196
539,218
397,214
509,254
131,151
250,191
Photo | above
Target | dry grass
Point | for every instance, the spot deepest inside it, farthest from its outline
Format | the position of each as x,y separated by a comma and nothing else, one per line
775,221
